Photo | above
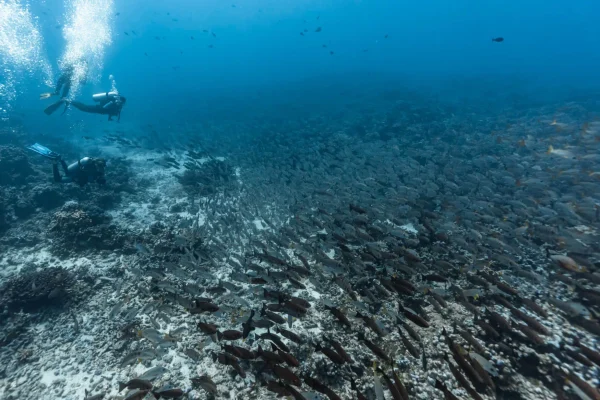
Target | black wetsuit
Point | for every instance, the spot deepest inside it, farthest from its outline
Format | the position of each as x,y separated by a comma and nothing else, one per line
108,106
64,82
80,172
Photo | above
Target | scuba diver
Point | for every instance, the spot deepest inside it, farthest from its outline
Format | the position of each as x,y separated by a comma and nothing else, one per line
109,103
81,172
66,80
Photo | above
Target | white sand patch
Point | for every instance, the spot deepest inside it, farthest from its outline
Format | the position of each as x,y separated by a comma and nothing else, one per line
258,224
409,228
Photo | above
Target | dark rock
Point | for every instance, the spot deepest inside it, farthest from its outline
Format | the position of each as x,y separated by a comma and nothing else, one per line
14,166
47,196
37,289
177,207
23,208
77,228
3,219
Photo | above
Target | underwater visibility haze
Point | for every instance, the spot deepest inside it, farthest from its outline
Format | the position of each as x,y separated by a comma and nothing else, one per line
307,199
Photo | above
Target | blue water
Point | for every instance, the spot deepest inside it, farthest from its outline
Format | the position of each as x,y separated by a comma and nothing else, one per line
259,60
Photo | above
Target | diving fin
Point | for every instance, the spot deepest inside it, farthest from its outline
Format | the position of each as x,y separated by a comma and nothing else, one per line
45,96
53,107
44,151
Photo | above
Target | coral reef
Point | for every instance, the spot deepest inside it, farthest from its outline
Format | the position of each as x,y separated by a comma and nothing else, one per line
37,289
3,221
76,228
14,166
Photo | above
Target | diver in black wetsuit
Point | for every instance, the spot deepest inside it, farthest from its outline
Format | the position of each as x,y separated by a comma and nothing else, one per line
109,103
65,81
81,172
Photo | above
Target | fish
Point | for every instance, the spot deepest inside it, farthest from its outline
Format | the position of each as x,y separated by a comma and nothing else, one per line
88,396
498,39
229,335
136,394
206,383
247,326
564,153
134,357
331,354
153,373
135,384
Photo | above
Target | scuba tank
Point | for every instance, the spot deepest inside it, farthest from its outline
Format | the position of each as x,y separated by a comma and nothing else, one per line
104,96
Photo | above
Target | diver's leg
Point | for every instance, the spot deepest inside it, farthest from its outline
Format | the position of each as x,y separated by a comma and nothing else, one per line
62,80
56,173
66,88
86,108
65,167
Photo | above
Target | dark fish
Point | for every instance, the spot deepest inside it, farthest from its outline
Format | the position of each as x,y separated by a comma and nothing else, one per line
589,390
287,357
244,354
434,278
413,316
168,393
371,323
289,335
588,352
231,350
498,39
262,323
201,307
228,359
321,388
206,383
339,315
275,339
277,387
319,29
229,335
391,386
331,354
340,350
135,384
275,295
286,374
411,331
269,356
471,340
458,355
271,315
247,325
136,394
463,381
398,382
447,393
378,351
359,395
408,344
208,329
98,396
